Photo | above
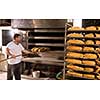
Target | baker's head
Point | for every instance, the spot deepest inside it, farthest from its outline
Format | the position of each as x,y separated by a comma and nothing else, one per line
17,37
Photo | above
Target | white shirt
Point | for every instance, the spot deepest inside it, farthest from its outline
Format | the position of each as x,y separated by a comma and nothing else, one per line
16,50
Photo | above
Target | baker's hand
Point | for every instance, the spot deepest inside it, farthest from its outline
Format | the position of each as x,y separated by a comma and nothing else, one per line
14,56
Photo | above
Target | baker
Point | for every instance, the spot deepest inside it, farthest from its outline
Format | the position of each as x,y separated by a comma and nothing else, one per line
14,49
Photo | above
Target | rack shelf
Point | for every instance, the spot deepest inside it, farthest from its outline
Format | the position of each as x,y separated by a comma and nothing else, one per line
51,38
47,44
83,32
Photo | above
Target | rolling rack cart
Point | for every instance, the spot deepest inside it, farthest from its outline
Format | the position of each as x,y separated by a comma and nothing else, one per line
84,39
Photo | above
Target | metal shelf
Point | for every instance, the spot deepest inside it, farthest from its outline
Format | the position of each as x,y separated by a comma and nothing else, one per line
47,44
89,38
82,31
51,38
82,45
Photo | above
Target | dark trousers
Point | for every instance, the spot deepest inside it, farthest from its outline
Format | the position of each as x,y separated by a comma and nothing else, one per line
14,70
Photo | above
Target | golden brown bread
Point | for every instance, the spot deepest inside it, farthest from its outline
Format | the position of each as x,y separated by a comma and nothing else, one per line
98,55
88,69
98,49
97,35
74,48
90,35
77,68
98,42
75,35
73,54
98,70
91,28
71,73
89,42
89,63
98,27
88,49
75,42
89,76
90,56
98,76
76,28
98,62
73,61
34,49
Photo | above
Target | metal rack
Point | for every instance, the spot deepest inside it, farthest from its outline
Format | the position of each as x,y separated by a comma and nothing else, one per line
52,39
84,45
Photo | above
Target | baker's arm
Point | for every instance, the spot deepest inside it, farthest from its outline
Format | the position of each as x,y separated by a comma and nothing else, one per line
9,53
26,52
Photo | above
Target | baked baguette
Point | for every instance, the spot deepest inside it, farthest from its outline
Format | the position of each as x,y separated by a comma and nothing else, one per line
73,67
74,35
89,76
75,42
89,42
97,35
76,28
88,69
73,54
73,61
98,27
74,48
91,28
89,63
88,49
71,73
98,49
90,35
98,42
90,56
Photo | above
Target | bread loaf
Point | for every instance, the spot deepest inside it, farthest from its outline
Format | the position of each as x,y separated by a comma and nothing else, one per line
98,27
74,48
88,69
98,62
73,54
74,35
98,76
98,35
98,70
90,56
98,42
98,49
34,49
90,35
71,73
88,49
75,42
76,28
91,28
89,63
89,42
77,68
73,61
89,76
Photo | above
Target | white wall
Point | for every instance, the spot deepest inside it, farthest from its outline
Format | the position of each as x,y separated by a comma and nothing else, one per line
77,22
